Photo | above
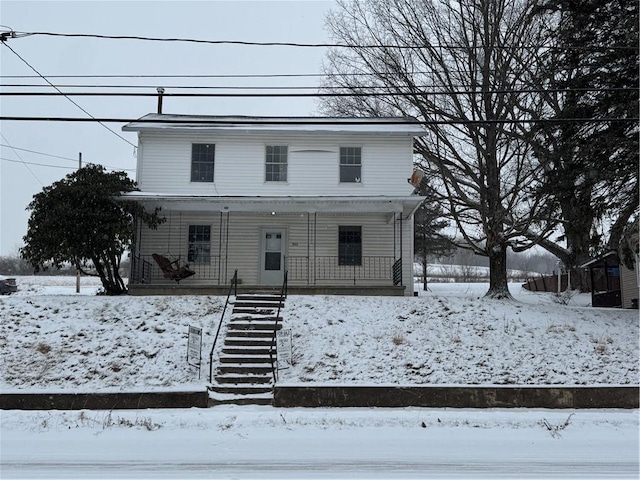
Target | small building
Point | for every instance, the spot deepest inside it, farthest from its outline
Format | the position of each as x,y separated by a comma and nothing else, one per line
325,199
612,283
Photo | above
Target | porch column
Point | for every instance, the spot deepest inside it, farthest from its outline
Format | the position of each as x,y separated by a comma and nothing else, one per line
220,251
223,248
315,230
309,266
226,249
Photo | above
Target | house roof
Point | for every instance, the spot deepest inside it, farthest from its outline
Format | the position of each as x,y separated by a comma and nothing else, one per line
391,125
280,204
601,260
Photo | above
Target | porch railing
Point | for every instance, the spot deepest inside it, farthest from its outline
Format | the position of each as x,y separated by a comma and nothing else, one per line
301,269
326,268
144,269
140,270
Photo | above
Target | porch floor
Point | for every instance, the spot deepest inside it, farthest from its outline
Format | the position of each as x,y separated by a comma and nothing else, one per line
194,289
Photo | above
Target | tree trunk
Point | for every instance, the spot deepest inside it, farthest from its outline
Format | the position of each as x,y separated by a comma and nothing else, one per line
110,277
424,273
498,287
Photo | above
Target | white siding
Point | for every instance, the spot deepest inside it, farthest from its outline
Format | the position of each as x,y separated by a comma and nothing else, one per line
628,285
312,237
313,164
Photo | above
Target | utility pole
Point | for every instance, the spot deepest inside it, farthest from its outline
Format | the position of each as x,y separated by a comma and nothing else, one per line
77,269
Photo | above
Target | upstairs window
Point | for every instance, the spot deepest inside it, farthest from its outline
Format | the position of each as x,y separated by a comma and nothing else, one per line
350,164
202,162
276,165
199,246
349,245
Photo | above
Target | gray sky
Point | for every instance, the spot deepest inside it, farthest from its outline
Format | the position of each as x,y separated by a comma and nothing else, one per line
260,21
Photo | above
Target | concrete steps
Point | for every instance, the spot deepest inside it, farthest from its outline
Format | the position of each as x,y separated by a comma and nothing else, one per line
244,373
242,349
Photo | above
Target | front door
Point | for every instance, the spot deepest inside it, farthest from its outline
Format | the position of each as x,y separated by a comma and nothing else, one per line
272,256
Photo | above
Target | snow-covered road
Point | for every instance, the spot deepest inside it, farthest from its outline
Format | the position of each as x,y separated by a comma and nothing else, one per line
265,442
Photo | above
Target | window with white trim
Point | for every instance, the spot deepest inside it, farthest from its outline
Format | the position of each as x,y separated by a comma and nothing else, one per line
199,244
276,163
350,164
349,245
202,162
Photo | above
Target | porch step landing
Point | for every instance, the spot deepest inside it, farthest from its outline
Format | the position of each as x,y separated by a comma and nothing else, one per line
244,375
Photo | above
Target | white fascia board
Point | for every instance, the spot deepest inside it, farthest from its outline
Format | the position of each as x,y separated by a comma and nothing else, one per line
292,204
189,123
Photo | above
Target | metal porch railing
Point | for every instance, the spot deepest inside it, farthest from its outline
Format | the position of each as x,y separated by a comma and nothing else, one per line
327,268
145,270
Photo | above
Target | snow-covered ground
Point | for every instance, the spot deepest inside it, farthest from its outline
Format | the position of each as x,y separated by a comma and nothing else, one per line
265,442
55,339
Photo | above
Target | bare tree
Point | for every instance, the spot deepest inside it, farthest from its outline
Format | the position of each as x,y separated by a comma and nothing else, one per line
458,67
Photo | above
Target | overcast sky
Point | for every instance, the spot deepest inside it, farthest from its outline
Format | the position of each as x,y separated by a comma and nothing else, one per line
259,21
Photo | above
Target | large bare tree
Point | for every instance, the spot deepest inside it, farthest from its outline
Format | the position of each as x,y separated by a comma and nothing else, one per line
459,68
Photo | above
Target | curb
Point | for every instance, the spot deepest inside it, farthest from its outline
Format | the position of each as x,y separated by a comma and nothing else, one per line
103,401
623,397
469,396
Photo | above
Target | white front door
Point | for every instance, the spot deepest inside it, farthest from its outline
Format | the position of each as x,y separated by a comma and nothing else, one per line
272,256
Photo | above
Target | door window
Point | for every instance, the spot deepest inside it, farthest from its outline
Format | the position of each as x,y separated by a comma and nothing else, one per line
273,250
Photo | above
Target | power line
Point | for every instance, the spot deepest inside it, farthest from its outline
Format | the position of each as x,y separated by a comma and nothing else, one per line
62,166
314,121
38,164
241,75
39,153
176,87
16,34
61,93
317,94
386,90
61,158
21,160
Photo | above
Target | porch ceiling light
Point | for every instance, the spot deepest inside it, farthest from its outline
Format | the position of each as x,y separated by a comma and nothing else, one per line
273,213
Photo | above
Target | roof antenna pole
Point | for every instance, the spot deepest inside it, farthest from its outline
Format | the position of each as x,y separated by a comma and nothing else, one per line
160,91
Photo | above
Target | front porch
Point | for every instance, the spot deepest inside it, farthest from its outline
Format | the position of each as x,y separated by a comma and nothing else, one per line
346,246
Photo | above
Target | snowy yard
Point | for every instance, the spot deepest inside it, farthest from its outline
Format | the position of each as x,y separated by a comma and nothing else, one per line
55,339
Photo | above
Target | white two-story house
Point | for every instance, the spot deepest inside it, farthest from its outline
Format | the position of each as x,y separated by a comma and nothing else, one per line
325,199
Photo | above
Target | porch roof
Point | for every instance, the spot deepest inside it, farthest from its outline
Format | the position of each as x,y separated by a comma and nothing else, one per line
601,260
279,204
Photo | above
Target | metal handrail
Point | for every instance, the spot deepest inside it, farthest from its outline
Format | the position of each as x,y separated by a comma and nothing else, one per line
233,286
283,295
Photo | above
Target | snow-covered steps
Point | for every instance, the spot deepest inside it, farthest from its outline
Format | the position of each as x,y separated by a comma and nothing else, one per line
245,372
253,325
255,335
248,338
243,358
241,349
239,378
246,368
